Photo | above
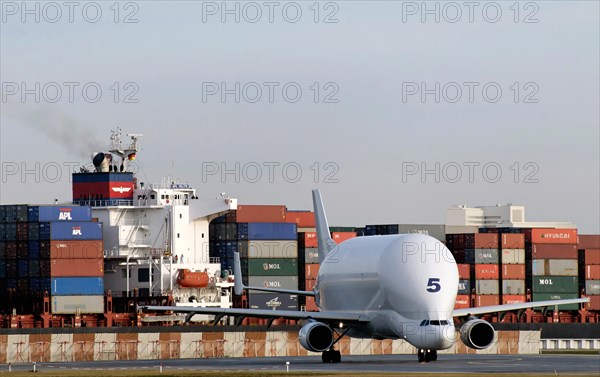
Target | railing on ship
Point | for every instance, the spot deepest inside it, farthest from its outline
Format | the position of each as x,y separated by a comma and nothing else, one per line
104,202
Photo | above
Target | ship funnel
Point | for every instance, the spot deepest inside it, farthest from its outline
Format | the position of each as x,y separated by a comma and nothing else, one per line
101,162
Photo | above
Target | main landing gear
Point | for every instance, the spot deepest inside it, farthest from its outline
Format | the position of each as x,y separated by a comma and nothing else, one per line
331,356
426,355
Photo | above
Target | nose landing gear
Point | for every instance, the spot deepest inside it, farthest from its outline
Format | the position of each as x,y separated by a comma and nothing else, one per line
426,355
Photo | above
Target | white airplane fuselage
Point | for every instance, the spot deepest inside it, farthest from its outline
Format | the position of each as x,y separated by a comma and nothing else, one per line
406,284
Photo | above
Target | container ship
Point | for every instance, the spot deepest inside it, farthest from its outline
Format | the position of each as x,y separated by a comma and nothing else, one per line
121,244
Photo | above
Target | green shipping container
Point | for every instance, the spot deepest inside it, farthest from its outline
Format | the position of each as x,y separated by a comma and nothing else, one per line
556,296
555,284
271,266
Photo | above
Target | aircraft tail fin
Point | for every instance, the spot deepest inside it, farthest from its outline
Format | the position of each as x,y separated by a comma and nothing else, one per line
326,244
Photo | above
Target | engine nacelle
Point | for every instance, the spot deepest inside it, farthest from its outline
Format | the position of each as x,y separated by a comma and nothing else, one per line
316,337
477,334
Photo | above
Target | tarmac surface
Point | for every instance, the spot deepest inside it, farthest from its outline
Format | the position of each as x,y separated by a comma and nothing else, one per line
555,364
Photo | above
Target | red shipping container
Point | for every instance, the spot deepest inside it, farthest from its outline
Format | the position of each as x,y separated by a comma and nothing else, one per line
486,271
513,271
549,251
77,249
309,285
76,267
464,271
308,239
513,299
462,302
592,256
594,303
260,214
554,236
340,237
481,241
592,272
589,241
513,241
487,300
311,305
311,271
302,219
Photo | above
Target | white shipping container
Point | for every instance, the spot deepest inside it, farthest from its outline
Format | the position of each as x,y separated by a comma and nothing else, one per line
459,229
279,282
311,255
435,231
513,256
487,287
592,287
70,304
538,267
269,249
563,267
486,256
555,267
513,287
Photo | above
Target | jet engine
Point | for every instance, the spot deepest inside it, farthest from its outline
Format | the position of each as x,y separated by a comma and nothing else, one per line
316,337
477,334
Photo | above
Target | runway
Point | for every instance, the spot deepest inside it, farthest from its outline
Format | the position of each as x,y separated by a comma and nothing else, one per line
560,364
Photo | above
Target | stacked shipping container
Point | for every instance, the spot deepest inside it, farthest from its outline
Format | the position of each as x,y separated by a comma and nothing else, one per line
308,266
477,258
54,249
268,251
513,268
589,270
554,267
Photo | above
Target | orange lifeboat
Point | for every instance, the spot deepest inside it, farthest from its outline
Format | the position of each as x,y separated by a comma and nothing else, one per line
192,279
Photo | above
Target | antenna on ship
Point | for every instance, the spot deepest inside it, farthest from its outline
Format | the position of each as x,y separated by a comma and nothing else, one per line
103,162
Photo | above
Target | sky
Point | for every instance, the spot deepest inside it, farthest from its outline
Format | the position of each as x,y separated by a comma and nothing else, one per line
395,110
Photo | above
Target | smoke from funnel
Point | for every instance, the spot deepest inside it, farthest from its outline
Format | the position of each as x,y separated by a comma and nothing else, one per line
74,136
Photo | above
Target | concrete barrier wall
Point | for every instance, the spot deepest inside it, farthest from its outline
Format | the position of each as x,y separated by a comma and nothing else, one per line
23,348
570,344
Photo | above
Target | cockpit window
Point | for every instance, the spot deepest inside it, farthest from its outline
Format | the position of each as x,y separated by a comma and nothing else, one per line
424,322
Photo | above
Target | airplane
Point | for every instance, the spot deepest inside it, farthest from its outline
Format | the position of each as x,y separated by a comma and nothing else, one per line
379,287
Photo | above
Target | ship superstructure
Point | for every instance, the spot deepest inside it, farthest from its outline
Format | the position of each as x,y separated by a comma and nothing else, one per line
155,235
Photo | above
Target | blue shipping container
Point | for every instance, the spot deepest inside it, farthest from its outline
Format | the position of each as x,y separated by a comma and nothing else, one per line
44,231
78,286
268,231
33,250
59,213
242,231
23,268
73,230
39,284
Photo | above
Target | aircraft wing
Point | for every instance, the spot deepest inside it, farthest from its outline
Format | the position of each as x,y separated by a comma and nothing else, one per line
524,305
327,317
